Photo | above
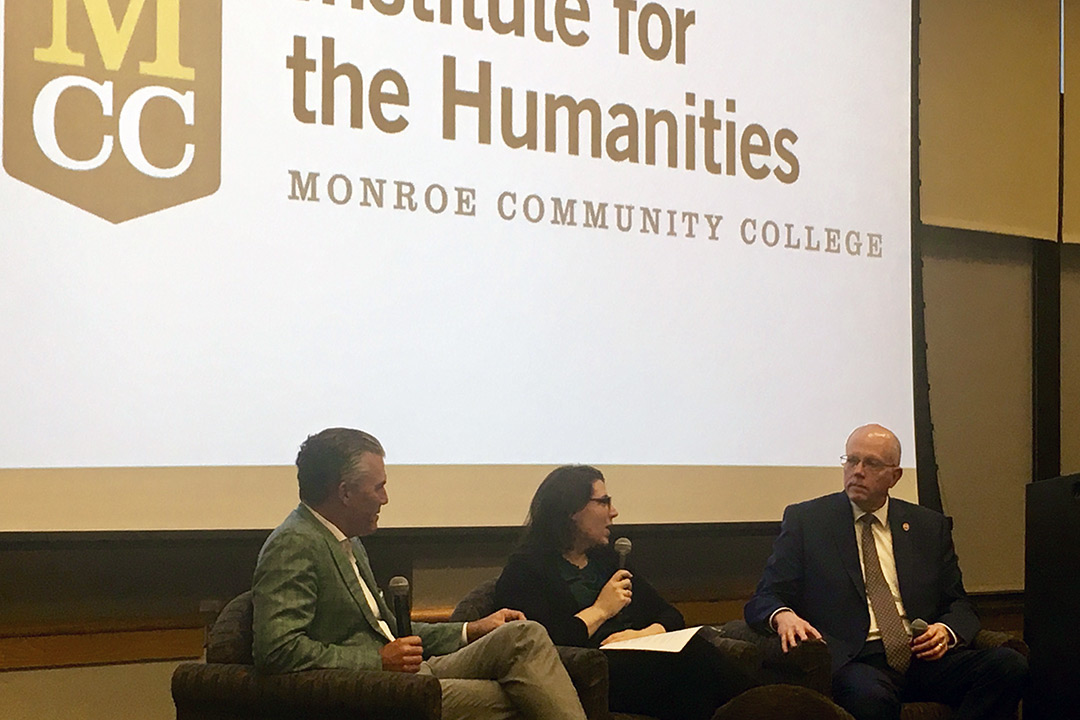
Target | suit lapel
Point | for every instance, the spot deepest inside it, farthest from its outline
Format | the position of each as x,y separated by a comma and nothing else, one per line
344,568
844,533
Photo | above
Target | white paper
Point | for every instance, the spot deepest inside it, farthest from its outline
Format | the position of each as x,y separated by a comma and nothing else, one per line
671,642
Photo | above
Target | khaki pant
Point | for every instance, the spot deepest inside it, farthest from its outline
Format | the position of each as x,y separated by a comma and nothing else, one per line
512,672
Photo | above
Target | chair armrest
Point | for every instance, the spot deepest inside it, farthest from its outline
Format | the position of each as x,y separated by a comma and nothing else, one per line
218,691
588,670
745,654
986,639
808,664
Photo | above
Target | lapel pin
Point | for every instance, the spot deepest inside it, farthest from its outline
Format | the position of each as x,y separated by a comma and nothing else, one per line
906,526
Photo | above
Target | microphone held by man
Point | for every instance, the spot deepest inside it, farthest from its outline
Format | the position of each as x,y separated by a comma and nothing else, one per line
399,589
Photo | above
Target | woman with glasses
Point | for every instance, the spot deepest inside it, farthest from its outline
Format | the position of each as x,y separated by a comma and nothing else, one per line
566,577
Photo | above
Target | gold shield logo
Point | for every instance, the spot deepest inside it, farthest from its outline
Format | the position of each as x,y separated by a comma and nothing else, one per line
114,106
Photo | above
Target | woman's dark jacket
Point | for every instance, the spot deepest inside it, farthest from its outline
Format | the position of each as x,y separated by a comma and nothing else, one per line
531,583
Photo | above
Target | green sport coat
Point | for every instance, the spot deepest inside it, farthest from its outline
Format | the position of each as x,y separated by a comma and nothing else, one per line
309,610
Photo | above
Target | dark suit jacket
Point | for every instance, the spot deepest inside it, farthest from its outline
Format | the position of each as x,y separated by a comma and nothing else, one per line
814,570
531,583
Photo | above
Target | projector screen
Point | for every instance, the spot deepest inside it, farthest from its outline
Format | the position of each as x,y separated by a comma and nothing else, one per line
669,239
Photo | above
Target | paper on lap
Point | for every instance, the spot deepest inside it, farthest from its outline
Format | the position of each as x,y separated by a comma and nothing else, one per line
672,642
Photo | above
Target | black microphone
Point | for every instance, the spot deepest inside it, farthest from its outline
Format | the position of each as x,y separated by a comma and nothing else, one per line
399,589
622,549
918,627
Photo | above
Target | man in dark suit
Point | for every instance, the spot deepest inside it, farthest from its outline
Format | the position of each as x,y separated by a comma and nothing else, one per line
316,604
854,569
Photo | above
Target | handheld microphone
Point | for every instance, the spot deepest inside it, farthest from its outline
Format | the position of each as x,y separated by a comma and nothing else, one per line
622,549
918,627
399,589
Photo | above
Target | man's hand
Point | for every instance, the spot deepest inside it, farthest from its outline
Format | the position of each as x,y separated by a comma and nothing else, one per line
479,628
654,629
932,644
402,655
793,630
615,595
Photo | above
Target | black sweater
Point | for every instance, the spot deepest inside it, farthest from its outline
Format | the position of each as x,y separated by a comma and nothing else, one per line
531,583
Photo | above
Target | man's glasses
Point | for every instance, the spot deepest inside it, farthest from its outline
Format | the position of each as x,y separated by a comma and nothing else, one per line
873,464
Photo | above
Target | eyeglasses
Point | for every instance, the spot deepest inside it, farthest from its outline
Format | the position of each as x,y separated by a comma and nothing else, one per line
605,501
872,464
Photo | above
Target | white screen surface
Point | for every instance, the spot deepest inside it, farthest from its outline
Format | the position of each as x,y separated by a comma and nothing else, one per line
222,331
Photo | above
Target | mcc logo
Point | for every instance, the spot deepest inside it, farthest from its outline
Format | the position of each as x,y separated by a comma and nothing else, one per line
114,106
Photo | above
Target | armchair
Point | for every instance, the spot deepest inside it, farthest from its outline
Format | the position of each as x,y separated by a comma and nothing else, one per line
809,665
227,687
592,687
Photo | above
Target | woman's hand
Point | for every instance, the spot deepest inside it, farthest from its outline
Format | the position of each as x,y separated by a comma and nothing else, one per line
654,629
615,595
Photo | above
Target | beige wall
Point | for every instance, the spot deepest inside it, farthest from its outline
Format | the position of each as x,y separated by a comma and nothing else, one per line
978,336
989,97
1071,185
113,692
1070,359
988,120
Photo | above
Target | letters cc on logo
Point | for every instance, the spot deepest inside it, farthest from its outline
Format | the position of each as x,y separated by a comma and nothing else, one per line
114,107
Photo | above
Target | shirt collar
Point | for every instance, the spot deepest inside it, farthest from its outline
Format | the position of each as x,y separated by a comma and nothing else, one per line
338,535
882,513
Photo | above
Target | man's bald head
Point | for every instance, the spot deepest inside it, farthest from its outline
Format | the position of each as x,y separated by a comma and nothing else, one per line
871,466
879,433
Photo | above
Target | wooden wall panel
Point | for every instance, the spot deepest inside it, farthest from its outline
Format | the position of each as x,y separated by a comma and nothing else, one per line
19,652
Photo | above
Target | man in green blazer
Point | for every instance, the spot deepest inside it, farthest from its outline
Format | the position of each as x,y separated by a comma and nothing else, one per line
317,604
